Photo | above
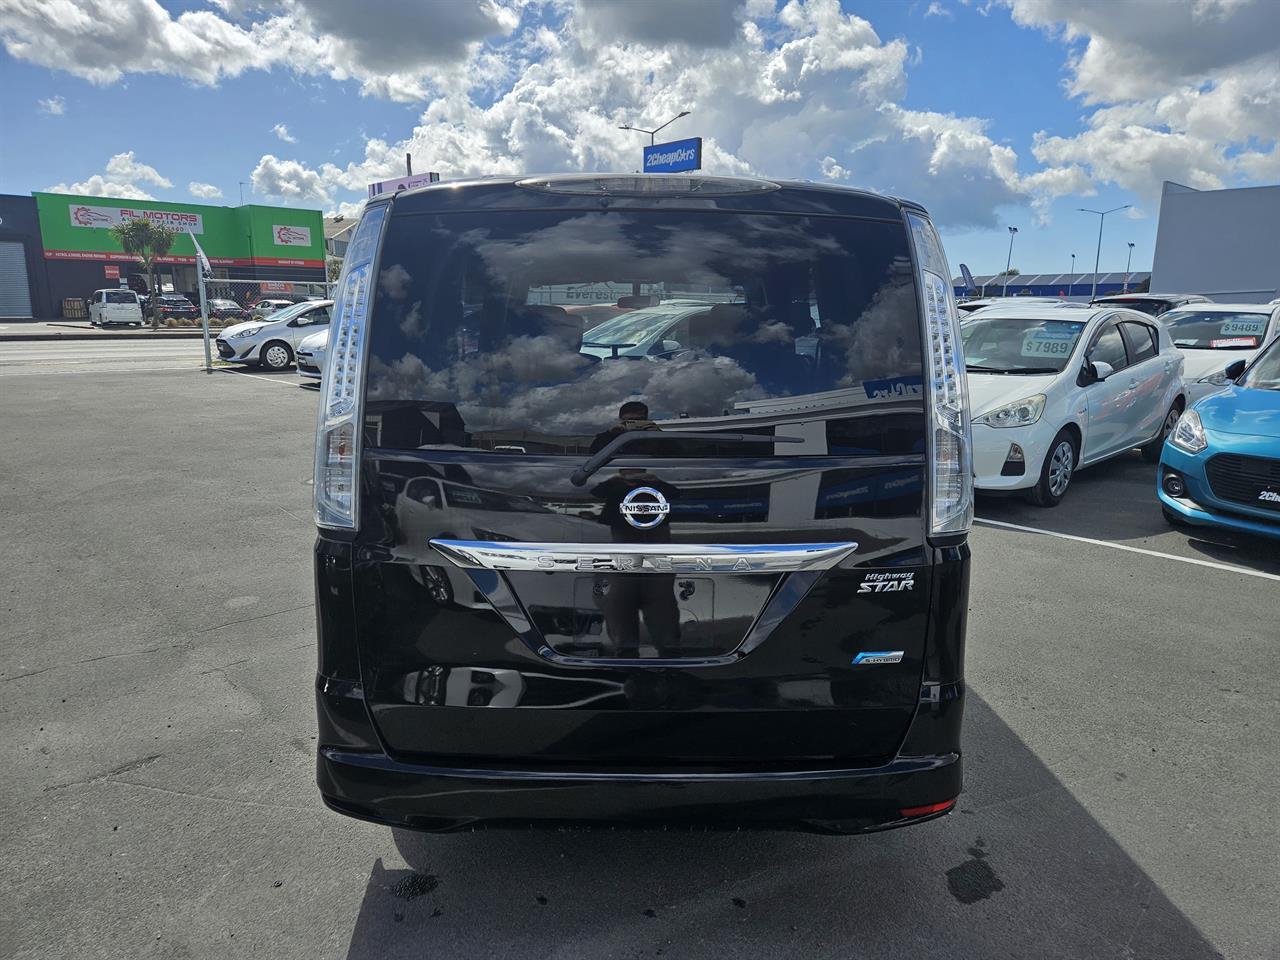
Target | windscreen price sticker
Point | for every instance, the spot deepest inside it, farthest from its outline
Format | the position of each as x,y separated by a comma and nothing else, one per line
1048,343
1242,326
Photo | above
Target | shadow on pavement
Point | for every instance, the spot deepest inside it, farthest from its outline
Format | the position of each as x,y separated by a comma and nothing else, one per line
1021,870
1116,500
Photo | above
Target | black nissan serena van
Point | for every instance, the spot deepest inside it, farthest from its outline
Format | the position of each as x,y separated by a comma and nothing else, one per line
644,500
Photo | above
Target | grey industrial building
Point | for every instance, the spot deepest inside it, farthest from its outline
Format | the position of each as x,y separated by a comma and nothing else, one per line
1222,243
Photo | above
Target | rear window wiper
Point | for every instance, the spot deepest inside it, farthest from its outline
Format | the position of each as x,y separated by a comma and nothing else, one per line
607,452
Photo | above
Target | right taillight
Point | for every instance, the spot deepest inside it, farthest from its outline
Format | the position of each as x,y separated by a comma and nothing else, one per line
950,442
337,467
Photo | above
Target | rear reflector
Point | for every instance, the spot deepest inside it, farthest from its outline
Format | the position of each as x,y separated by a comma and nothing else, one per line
928,809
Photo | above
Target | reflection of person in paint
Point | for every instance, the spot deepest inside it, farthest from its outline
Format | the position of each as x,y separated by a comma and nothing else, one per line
623,597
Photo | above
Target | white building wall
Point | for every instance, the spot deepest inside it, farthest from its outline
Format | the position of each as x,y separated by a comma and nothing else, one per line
1224,244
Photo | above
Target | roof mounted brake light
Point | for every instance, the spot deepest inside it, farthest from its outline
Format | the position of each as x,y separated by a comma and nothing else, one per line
645,185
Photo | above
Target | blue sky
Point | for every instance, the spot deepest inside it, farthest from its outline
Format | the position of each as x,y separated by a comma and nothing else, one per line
992,113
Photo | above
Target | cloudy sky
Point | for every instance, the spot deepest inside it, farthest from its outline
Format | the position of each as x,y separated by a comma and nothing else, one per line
991,112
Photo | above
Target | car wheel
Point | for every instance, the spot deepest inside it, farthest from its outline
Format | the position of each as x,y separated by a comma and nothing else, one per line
1151,451
1056,472
275,355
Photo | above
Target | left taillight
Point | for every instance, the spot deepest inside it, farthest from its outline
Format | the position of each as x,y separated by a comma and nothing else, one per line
337,466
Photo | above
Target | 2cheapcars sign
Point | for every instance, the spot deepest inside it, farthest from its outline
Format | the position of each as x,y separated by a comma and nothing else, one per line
83,215
674,157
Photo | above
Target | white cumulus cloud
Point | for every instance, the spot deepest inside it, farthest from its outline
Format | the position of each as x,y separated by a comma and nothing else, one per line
121,178
282,131
203,191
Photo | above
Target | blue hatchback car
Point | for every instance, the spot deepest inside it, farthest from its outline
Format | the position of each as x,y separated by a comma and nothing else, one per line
1221,464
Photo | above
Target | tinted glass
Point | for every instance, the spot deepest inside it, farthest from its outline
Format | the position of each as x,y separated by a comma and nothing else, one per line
121,296
549,332
1005,344
1216,330
1109,348
1140,340
1265,372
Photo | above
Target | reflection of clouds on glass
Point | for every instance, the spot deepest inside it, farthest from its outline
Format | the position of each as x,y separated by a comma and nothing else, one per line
412,325
879,339
596,243
539,386
394,282
772,331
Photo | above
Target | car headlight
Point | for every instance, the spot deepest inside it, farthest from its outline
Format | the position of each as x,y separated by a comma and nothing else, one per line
252,331
1021,413
1189,435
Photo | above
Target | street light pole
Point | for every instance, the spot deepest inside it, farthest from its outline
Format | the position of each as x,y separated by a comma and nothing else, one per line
1013,232
1072,275
1097,257
1127,264
654,132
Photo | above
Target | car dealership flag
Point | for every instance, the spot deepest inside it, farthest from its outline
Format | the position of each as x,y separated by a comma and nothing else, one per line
205,269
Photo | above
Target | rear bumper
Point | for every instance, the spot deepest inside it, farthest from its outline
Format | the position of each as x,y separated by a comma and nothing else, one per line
370,785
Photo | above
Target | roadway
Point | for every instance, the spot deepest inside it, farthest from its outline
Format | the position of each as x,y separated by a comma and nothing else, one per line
157,731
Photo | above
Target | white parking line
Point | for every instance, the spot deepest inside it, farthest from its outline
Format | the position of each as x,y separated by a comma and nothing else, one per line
256,376
1120,546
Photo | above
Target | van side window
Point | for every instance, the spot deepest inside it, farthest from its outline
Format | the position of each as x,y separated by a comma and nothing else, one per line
1140,340
1108,347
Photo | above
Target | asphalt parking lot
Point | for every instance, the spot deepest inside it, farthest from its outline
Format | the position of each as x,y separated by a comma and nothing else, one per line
156,724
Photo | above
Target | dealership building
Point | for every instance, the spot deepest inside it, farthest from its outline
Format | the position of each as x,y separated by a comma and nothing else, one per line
1224,244
56,247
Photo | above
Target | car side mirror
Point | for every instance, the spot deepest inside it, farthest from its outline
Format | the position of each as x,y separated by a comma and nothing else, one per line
293,323
670,346
1234,369
1099,370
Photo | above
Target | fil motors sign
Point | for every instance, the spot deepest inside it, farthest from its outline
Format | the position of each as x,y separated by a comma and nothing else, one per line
674,157
83,215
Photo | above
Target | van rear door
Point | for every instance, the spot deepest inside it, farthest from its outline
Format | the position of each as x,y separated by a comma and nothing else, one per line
691,534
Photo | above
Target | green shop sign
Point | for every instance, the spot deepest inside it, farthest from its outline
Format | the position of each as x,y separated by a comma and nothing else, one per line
79,228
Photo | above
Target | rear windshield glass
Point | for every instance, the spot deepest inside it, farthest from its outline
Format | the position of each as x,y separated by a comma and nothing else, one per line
551,331
1004,344
1215,330
121,296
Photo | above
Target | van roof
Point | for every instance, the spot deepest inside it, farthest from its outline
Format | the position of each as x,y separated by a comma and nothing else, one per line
705,192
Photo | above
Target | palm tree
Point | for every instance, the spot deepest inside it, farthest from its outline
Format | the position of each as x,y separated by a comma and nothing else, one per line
148,241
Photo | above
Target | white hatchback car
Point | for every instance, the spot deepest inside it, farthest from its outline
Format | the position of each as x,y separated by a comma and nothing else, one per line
115,305
311,354
1212,335
273,341
1053,390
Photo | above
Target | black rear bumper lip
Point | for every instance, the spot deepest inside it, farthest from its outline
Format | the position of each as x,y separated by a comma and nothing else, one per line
374,787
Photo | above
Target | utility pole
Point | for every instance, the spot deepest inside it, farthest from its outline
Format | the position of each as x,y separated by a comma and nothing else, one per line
653,133
1072,275
1013,232
1127,264
408,164
1097,257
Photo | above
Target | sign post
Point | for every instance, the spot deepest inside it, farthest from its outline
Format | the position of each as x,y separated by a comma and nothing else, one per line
202,270
673,157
